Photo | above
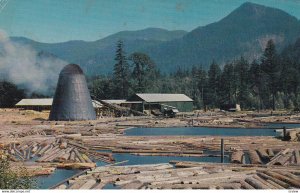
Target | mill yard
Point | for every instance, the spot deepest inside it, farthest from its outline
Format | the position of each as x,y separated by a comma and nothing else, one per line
103,155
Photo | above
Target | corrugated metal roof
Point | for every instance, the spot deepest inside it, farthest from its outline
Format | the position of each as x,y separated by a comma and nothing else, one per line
159,97
119,101
35,102
47,102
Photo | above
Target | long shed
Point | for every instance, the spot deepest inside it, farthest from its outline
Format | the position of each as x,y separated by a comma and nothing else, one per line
150,101
41,104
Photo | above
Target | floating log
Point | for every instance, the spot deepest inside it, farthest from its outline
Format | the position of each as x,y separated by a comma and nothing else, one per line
37,151
64,155
275,184
54,155
288,174
270,152
255,183
275,180
77,184
34,148
283,178
88,185
245,185
263,154
78,145
28,154
63,145
283,159
297,156
133,185
270,186
237,157
49,154
254,158
72,156
42,151
41,171
78,155
76,165
86,158
100,185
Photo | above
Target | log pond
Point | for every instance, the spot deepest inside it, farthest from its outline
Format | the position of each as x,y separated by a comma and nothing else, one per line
44,182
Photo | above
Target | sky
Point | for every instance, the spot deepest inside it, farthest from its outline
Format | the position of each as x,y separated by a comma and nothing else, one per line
63,20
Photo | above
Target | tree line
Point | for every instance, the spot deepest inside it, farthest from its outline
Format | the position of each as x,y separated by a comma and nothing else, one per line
271,82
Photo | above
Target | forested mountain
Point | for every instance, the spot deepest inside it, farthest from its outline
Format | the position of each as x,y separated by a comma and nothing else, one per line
244,31
98,56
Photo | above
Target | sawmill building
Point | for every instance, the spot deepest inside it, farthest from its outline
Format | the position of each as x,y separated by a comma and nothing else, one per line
158,101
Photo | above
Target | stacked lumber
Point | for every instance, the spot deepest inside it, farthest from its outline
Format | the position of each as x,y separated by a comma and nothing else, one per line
201,176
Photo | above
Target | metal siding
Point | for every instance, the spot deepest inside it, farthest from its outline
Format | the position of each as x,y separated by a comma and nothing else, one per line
72,100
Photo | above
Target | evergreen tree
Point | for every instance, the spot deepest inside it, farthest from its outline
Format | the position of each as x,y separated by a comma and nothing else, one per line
10,94
242,68
121,73
214,82
270,66
143,71
228,89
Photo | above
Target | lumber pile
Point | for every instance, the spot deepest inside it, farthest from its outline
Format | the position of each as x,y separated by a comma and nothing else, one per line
201,176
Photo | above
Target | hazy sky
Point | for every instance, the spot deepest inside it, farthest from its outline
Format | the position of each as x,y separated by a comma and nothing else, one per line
63,20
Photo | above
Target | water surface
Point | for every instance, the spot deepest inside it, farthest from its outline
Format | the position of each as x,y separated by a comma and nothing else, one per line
200,131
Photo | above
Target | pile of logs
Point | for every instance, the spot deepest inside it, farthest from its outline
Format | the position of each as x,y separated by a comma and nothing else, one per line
293,135
286,157
267,156
59,150
34,170
199,176
28,133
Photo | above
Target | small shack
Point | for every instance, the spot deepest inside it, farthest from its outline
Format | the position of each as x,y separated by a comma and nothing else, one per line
158,101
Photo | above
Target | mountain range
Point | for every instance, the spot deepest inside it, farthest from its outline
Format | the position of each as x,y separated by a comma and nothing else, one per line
244,32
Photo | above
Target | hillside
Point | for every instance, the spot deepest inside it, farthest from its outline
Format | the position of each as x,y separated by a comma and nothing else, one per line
244,31
98,56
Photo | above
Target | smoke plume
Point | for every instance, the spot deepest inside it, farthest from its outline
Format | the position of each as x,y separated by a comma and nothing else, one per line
25,67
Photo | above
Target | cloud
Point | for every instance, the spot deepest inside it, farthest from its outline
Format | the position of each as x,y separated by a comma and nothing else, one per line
25,67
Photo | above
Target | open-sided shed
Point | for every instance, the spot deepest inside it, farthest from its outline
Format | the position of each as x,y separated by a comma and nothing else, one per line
151,101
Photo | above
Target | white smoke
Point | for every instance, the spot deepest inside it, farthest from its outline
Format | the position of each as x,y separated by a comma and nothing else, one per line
23,66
